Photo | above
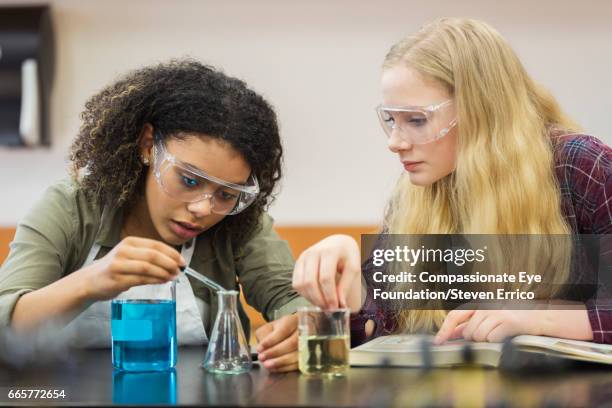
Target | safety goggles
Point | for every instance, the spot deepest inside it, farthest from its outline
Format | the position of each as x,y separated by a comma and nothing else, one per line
416,124
189,184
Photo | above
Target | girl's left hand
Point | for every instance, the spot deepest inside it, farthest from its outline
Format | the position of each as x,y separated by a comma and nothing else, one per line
489,325
278,344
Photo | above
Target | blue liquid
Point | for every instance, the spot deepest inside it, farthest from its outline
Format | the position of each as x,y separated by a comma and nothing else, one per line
144,334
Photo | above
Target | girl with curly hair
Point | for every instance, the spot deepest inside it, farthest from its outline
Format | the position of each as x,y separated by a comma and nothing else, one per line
174,164
485,151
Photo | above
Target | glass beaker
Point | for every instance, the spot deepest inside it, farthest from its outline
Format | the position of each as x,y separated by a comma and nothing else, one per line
228,350
324,341
143,328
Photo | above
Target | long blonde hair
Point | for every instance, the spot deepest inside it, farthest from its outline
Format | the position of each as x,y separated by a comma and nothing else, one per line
504,181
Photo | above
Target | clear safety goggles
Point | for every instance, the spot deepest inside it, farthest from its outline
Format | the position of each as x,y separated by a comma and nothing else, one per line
416,124
189,184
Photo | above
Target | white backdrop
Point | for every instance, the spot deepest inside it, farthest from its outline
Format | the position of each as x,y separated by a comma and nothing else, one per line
318,63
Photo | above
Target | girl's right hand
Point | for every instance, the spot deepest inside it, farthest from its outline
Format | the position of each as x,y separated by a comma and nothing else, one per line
328,274
134,261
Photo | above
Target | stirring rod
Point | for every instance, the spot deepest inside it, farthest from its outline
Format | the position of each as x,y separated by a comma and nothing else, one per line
206,281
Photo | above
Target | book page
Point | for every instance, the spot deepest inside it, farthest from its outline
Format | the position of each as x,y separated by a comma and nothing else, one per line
414,343
601,352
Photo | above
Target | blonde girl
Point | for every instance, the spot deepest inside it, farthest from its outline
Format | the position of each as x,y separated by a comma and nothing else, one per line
485,150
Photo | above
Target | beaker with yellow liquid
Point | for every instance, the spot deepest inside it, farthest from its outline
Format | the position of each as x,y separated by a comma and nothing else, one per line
324,341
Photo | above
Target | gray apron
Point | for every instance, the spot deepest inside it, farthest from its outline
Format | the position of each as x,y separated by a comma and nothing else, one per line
91,328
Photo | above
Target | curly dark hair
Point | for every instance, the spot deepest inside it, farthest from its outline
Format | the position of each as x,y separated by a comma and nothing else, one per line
177,97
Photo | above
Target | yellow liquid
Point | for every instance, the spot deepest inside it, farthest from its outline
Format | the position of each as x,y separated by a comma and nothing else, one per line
324,355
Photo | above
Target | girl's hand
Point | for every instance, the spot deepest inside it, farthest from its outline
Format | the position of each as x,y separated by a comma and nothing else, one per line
489,325
278,344
134,261
328,274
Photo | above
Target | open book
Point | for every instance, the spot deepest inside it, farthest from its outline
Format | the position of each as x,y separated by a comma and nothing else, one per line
416,351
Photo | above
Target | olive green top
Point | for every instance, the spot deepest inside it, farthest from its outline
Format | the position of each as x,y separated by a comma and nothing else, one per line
54,239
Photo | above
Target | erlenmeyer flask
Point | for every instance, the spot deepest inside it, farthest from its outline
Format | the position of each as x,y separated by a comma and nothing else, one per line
228,350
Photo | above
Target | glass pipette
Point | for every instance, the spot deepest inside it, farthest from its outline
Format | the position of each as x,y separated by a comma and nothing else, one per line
206,281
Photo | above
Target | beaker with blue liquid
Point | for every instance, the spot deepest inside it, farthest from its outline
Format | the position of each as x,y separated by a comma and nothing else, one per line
143,328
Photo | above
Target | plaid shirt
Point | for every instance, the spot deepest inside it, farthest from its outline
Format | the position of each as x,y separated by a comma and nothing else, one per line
583,166
584,171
